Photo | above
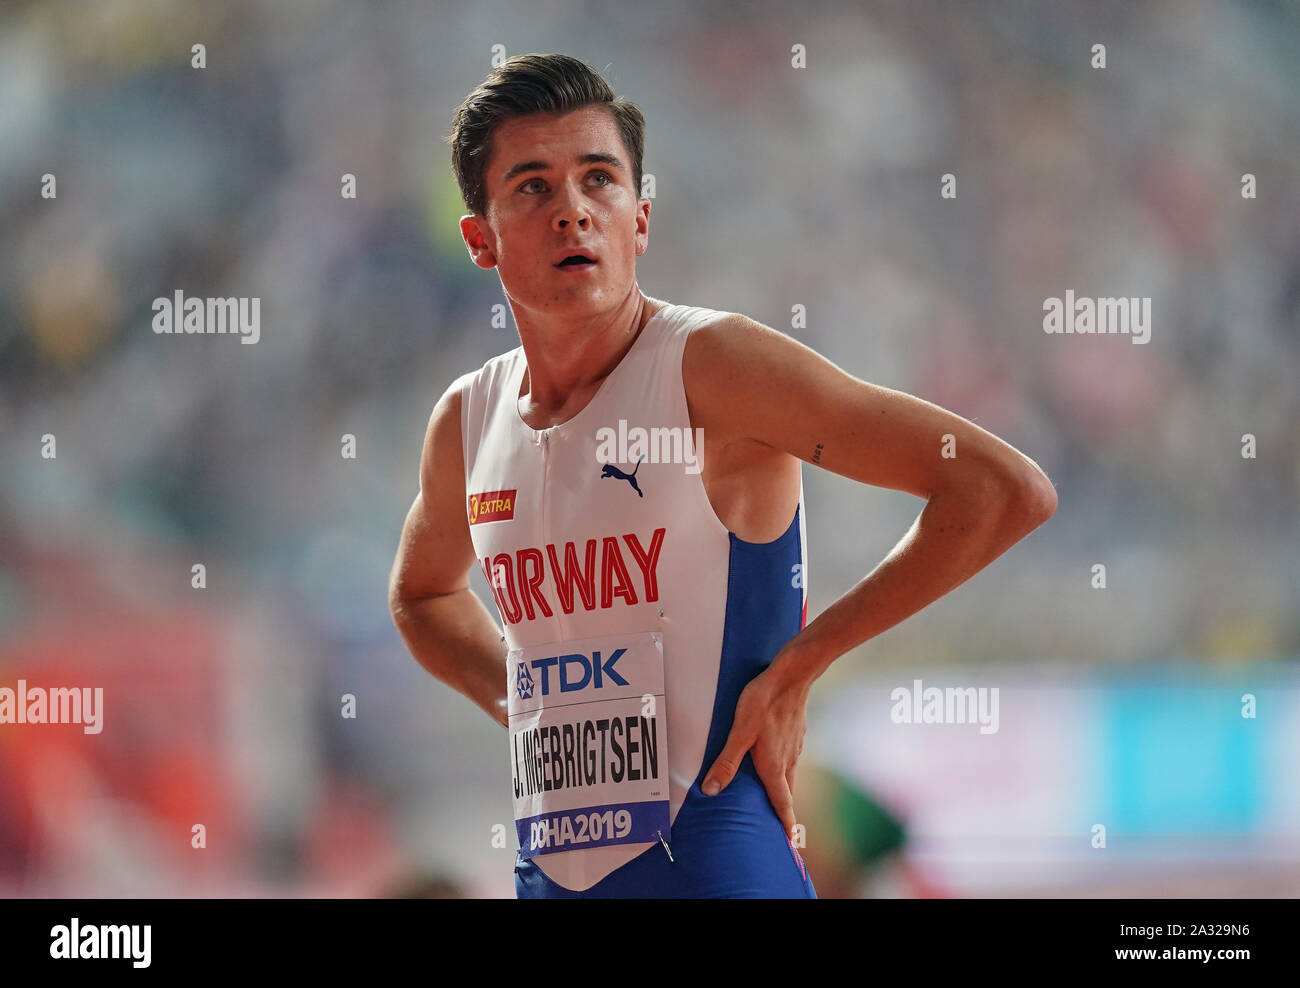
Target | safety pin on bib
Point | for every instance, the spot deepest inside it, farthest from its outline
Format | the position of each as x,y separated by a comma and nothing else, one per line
666,847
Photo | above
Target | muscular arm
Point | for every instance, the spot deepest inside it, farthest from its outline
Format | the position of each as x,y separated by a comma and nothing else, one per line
750,382
442,621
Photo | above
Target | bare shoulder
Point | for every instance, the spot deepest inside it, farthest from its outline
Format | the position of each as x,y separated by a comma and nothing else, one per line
730,337
442,437
747,380
435,552
733,364
448,404
733,347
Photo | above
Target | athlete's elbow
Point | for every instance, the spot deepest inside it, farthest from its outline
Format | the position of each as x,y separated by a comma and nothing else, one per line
396,604
401,597
1046,502
1031,496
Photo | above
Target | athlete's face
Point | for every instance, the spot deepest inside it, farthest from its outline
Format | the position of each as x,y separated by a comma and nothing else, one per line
559,185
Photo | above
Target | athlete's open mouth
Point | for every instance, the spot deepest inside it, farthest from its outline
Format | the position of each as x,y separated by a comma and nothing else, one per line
576,261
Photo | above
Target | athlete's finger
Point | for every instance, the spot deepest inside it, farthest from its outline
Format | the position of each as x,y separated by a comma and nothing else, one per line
727,764
792,771
783,802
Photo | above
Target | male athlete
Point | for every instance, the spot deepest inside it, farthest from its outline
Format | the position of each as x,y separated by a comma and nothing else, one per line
655,663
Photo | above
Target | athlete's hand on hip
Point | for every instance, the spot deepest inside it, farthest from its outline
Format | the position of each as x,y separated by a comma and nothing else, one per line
770,723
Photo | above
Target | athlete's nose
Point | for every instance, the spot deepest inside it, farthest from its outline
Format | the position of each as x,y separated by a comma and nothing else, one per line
572,211
577,216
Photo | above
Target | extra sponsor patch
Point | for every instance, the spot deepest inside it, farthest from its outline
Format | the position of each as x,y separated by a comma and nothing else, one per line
492,506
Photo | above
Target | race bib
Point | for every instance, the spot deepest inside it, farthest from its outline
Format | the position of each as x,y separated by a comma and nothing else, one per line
588,742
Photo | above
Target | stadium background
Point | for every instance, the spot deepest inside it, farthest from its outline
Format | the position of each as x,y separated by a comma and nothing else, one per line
775,186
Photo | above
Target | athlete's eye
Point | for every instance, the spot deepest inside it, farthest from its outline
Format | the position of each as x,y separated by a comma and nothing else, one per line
609,180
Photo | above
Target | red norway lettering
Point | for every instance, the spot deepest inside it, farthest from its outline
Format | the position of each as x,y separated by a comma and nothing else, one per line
564,584
574,579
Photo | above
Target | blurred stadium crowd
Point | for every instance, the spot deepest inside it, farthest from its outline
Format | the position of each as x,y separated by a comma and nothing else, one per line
774,187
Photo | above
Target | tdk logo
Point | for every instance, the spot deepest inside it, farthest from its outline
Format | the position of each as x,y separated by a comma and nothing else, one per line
523,683
576,672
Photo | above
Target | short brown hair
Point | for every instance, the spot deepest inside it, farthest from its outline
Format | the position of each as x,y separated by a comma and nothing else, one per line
524,85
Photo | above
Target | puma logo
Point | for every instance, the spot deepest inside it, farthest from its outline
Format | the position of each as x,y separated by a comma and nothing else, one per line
609,470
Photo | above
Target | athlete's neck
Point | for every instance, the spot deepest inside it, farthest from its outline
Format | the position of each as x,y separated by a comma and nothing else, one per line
567,359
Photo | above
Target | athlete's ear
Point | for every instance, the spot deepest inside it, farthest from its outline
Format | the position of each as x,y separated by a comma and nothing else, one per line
642,237
477,234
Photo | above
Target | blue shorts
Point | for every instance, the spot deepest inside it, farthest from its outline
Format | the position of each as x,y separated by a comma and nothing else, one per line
728,846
